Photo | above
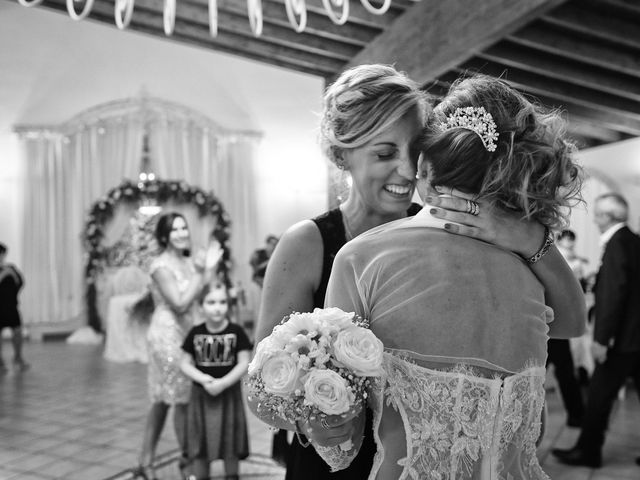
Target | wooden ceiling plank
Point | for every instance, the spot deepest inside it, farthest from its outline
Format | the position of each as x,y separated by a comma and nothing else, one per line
561,68
551,39
433,36
602,25
151,23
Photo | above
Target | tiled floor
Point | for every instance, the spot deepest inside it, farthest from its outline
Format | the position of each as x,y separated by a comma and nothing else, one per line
74,415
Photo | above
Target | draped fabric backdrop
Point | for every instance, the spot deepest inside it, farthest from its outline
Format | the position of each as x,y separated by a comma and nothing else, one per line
71,166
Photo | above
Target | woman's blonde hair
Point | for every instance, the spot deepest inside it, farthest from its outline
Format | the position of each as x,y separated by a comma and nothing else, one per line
532,169
364,101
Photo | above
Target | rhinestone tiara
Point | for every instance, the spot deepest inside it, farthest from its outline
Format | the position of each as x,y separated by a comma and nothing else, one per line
476,119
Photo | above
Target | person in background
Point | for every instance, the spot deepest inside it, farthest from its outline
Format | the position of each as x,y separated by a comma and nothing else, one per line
616,334
216,359
560,350
372,119
177,280
260,259
11,282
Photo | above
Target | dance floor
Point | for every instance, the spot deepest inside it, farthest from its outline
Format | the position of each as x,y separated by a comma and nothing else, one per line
74,415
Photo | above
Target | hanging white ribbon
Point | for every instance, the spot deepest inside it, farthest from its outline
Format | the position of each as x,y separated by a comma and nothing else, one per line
255,16
328,6
123,7
85,11
376,11
26,3
295,9
213,18
169,16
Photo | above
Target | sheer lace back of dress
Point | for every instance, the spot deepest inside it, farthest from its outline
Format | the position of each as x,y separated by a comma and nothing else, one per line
461,425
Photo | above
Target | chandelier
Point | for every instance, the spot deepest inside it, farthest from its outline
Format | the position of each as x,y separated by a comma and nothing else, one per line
337,11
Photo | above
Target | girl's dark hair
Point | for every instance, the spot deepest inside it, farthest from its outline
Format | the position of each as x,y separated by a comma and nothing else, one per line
164,226
3,248
532,169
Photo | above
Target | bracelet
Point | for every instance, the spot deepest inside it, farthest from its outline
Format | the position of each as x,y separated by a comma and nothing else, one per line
544,248
299,436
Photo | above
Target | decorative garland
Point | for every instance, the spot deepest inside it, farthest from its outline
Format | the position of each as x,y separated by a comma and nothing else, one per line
296,12
134,193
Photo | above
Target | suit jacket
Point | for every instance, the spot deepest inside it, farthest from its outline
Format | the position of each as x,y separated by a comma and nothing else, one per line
617,293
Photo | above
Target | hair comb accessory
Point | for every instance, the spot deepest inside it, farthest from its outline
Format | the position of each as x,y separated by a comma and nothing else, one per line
476,119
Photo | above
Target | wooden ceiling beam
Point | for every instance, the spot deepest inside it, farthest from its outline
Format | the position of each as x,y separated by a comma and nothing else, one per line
561,68
552,39
433,36
600,24
198,35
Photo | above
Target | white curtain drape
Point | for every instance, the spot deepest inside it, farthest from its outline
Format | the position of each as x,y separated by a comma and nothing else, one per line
71,166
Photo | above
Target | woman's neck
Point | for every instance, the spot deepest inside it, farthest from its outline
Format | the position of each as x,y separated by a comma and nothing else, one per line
358,218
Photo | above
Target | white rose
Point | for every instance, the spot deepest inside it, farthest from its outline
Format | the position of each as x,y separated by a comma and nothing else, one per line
359,350
264,350
328,391
334,317
280,374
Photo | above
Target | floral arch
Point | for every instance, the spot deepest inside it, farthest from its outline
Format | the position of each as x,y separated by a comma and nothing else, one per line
135,195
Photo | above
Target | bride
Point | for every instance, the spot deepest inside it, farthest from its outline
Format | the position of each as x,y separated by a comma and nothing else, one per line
464,323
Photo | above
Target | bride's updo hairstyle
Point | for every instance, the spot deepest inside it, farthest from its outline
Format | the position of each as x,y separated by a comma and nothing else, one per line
531,170
364,101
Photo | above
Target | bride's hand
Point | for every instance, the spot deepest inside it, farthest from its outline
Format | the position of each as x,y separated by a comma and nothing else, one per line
333,430
500,227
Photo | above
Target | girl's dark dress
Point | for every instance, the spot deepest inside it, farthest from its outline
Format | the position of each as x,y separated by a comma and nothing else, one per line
304,463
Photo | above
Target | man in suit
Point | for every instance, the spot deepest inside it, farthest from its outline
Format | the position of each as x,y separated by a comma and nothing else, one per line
616,342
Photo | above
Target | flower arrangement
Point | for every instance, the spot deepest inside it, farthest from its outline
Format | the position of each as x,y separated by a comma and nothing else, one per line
314,365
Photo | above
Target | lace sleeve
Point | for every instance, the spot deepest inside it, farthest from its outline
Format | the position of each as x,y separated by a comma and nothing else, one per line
341,456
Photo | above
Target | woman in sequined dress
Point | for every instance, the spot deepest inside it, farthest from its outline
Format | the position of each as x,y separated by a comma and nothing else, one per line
177,281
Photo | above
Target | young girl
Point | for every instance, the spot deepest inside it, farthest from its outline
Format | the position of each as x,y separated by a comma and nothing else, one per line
218,356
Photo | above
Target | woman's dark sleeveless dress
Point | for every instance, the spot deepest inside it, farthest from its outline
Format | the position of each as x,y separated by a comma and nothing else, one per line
304,463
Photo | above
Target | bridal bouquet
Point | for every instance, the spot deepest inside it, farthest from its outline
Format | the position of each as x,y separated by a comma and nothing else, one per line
314,365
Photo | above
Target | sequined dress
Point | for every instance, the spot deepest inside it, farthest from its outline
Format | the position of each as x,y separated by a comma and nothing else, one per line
166,333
